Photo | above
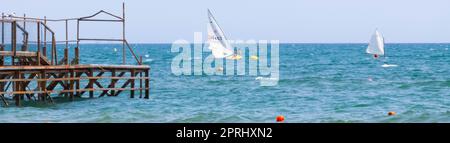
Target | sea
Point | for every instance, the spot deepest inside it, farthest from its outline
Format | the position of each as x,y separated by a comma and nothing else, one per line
318,83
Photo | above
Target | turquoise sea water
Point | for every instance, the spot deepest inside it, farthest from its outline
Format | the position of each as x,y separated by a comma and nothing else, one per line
318,83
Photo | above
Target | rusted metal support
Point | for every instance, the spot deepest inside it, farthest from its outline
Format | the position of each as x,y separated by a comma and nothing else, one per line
76,62
132,71
2,45
25,38
123,33
77,55
77,83
147,85
13,42
66,56
67,34
17,88
71,85
42,86
33,69
3,29
91,83
38,58
45,38
113,81
2,58
54,48
140,80
2,89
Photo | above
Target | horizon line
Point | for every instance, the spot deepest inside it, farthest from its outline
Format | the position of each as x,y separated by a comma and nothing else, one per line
285,43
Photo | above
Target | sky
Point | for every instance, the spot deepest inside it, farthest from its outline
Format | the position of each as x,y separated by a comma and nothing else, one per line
290,21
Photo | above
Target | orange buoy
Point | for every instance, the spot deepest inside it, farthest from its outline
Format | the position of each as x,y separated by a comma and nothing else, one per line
280,118
391,113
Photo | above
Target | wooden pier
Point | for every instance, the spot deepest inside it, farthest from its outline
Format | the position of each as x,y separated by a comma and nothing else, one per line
30,70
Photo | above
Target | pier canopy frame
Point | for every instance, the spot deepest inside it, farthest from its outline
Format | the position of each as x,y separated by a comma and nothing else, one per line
35,73
92,18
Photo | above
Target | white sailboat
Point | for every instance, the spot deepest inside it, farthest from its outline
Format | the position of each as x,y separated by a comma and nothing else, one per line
218,43
376,47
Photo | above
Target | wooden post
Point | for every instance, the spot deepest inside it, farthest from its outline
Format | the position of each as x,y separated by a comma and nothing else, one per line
147,84
132,83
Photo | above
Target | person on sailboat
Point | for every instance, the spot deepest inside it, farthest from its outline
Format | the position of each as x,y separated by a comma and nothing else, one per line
375,56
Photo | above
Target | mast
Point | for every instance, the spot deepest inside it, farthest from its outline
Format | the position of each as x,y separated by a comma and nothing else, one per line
215,21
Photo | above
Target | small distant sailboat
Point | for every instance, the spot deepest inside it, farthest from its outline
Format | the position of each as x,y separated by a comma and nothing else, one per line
115,49
376,47
218,43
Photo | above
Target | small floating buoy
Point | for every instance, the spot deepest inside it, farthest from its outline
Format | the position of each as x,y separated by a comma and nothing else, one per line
370,79
254,57
280,118
391,113
115,49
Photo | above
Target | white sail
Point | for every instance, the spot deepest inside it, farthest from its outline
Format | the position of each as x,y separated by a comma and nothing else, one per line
218,43
376,44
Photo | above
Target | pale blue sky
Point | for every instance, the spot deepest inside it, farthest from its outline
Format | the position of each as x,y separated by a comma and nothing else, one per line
303,21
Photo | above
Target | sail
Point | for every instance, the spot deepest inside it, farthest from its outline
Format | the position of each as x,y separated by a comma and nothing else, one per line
376,44
218,43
